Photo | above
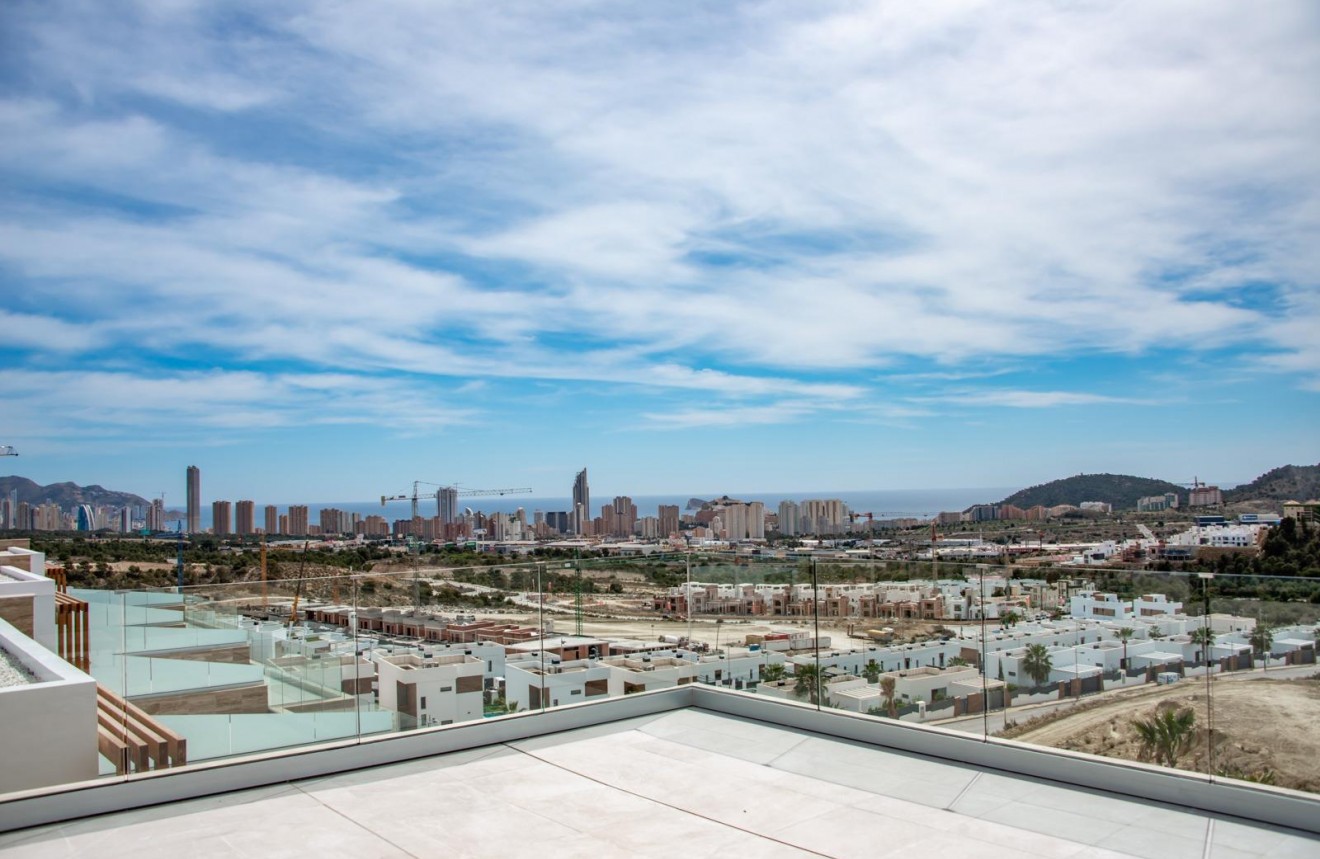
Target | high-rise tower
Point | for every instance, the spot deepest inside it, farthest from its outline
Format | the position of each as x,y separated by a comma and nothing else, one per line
220,515
446,501
245,517
194,500
581,503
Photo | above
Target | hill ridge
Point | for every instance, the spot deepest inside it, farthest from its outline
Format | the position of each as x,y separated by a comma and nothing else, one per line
67,494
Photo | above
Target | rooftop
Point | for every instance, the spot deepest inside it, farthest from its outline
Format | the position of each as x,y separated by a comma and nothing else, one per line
687,779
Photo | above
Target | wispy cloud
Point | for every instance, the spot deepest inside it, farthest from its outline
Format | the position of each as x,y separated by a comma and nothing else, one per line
1021,399
759,204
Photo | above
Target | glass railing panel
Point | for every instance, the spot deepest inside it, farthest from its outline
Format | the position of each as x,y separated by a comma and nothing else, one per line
1107,666
902,640
438,637
732,617
1265,678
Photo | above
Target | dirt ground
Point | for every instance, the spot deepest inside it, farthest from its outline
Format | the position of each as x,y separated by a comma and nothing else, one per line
1261,727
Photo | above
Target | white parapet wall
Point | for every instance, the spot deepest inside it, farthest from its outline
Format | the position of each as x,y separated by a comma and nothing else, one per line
16,582
48,726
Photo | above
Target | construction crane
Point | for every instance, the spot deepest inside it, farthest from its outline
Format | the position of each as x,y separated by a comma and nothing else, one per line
416,494
7,450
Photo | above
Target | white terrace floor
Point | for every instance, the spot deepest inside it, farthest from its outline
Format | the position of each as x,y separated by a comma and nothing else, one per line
687,783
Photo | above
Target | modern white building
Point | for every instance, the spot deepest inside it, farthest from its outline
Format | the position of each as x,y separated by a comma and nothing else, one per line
427,690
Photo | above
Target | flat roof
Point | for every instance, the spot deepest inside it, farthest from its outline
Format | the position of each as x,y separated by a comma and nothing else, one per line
687,781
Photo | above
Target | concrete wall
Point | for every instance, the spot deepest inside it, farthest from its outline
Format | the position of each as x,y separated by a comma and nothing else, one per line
41,590
48,728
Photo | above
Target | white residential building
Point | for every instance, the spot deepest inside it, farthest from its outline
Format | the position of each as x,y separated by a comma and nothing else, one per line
432,690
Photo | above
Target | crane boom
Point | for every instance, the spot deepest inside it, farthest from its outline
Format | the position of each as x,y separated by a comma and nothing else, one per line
416,494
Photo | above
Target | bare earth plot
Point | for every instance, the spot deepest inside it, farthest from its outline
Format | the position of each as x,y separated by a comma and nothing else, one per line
1260,725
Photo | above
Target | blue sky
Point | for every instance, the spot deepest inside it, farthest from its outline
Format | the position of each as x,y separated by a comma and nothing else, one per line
323,249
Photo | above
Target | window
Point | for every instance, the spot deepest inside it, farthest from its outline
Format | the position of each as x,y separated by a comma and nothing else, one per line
446,688
575,692
423,702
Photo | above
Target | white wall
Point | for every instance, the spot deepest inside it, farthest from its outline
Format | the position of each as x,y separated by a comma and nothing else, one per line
47,729
21,583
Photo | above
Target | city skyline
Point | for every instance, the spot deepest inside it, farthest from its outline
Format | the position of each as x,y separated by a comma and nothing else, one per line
323,252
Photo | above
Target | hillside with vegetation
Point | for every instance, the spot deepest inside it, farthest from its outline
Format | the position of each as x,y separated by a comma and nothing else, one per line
1120,490
1285,483
67,494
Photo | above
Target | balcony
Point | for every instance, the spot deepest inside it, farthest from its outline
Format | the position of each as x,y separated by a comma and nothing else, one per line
719,768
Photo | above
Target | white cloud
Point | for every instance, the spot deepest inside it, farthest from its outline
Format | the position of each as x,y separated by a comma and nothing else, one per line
1024,399
614,194
195,403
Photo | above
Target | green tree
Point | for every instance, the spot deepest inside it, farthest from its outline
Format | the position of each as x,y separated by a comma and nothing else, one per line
1167,735
1124,634
1037,663
772,673
871,671
887,688
1204,637
807,683
1011,618
1262,639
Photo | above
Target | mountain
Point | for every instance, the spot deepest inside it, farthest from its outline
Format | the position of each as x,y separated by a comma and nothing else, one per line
68,495
1120,490
1285,483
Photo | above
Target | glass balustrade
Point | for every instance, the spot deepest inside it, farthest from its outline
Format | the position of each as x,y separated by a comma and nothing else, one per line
1208,673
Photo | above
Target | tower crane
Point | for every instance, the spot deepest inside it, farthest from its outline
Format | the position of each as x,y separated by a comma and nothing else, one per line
416,494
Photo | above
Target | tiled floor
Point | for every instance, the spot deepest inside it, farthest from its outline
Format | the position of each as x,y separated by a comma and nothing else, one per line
687,783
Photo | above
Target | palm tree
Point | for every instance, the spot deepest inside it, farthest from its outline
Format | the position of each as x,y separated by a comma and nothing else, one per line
1010,619
1037,663
887,687
871,671
1167,735
808,682
772,673
1262,639
1204,636
1123,635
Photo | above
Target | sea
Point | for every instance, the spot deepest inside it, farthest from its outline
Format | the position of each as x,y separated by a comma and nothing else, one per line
881,503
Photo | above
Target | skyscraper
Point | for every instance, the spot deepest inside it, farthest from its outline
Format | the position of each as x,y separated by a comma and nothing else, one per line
220,518
668,519
755,520
245,517
625,516
789,514
297,524
581,503
446,501
194,499
272,519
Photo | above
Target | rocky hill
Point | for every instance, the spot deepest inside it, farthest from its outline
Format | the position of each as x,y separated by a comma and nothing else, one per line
1120,490
1285,483
68,495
